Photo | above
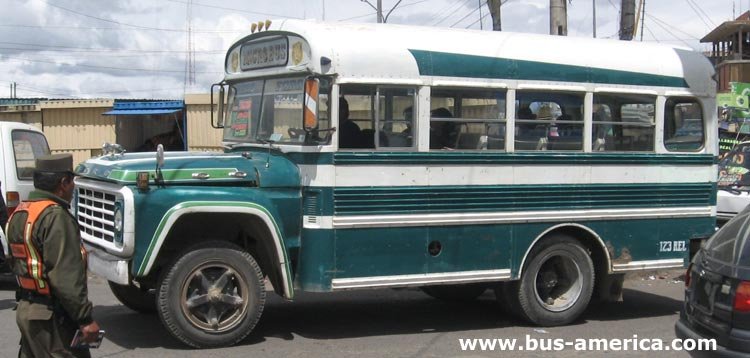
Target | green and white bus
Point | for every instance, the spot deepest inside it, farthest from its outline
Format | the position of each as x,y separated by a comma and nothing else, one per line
366,156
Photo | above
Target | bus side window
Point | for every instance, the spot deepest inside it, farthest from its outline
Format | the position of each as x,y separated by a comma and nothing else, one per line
683,125
396,118
463,118
358,127
356,116
549,121
623,122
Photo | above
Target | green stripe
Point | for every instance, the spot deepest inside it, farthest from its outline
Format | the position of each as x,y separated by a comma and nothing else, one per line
192,204
504,198
174,174
489,158
431,63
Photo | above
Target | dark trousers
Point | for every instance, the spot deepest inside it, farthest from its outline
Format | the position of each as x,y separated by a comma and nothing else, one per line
45,332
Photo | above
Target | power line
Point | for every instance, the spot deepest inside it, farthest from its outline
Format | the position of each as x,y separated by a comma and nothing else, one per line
108,67
98,49
703,12
690,3
659,23
672,27
480,19
457,6
467,15
235,9
115,29
375,13
107,20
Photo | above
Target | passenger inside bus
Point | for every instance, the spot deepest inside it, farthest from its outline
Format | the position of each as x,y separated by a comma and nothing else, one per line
350,136
442,133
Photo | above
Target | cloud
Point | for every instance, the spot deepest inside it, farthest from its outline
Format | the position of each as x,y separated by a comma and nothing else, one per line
136,48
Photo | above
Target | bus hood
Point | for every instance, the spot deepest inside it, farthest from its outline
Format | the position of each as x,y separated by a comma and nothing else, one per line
259,168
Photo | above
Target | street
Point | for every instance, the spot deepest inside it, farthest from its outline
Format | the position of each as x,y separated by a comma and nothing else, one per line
380,323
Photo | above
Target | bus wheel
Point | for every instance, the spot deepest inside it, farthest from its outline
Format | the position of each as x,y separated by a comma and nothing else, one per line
134,298
456,293
212,296
557,284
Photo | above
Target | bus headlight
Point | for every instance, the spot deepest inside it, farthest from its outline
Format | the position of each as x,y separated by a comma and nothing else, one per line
117,221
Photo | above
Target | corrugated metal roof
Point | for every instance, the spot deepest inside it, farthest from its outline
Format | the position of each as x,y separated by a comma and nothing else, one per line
144,107
21,101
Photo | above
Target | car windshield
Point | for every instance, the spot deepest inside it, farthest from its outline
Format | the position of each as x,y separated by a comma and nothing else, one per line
734,167
728,244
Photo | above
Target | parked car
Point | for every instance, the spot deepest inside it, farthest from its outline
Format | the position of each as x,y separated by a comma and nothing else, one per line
717,291
20,145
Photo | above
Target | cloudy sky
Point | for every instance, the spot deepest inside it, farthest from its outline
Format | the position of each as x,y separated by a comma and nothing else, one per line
137,48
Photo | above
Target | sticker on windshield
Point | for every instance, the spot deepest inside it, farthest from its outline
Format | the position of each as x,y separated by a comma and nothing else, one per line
241,118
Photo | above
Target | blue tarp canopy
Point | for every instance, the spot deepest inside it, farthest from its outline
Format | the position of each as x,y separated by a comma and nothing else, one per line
145,108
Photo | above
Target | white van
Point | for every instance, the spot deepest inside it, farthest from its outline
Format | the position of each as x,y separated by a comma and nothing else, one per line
20,145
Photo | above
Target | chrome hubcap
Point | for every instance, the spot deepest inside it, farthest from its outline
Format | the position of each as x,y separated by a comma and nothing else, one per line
558,282
214,297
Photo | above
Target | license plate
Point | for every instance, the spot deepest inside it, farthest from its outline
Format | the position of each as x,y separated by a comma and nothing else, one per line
704,294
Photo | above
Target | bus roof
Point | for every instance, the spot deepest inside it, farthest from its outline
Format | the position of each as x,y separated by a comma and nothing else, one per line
425,55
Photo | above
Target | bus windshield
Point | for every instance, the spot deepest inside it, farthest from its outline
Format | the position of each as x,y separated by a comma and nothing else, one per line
265,110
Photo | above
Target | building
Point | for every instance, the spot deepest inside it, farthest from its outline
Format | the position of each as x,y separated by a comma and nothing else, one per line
730,51
81,126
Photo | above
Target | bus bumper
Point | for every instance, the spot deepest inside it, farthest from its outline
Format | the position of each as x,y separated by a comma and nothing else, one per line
108,266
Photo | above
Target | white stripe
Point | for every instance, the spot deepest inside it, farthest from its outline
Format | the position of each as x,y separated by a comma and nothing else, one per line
360,221
648,265
420,279
311,104
108,163
421,175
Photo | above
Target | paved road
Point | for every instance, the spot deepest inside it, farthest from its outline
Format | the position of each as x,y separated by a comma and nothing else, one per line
378,323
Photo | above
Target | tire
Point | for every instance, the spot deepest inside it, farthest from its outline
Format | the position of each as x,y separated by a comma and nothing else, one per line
134,298
506,294
556,285
212,296
455,293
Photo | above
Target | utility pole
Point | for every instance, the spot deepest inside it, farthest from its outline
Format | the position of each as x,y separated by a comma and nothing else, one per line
380,11
643,17
627,19
497,23
324,10
558,17
593,3
481,23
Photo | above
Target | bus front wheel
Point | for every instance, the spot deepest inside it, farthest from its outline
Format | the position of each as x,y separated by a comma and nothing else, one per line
212,296
557,283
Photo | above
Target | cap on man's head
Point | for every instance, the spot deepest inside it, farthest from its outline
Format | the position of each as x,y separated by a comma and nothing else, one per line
55,163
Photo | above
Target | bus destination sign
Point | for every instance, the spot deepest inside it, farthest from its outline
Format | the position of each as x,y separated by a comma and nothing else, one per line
264,54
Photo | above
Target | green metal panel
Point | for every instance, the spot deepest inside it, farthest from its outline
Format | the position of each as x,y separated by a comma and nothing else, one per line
403,251
153,208
315,265
381,252
432,63
496,198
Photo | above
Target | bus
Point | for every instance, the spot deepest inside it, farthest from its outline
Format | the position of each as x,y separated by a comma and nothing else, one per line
361,156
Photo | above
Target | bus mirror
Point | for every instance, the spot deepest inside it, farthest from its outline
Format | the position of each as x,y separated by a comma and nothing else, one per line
220,111
310,110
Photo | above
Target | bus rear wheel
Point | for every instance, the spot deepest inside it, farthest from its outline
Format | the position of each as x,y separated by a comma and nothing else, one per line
456,293
556,285
212,296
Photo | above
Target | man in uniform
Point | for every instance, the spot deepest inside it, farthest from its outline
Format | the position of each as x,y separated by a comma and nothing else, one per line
49,263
